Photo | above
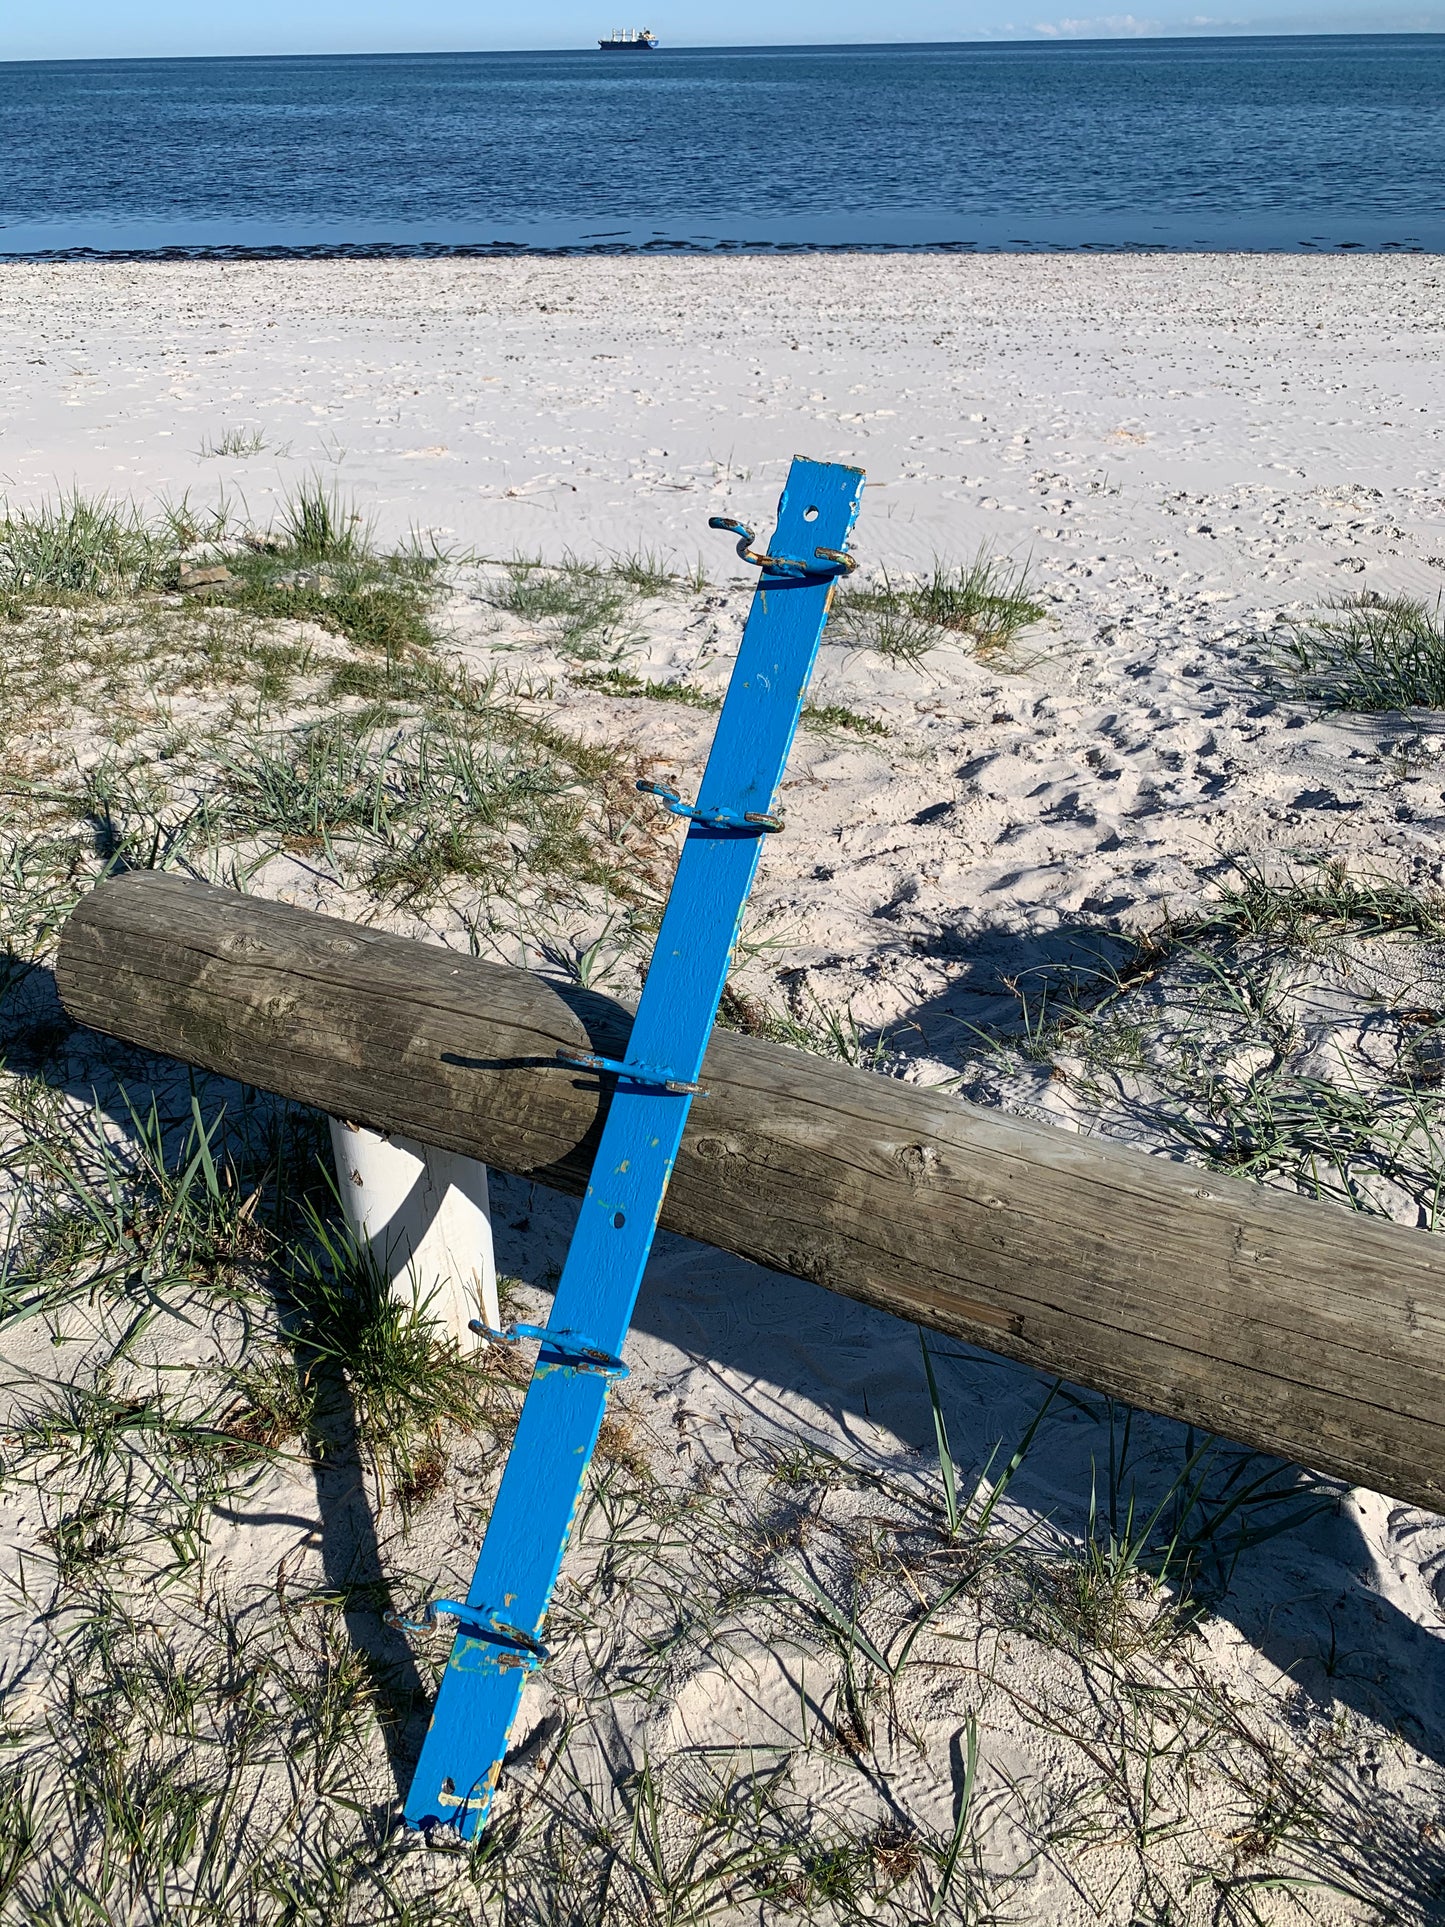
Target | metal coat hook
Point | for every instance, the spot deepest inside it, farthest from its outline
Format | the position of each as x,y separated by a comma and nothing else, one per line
840,562
513,1647
566,1345
756,821
651,1076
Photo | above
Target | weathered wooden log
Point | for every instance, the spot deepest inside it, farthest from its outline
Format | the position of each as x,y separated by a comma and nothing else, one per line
1292,1326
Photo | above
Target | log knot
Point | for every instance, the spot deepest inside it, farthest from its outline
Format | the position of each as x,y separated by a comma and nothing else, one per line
918,1162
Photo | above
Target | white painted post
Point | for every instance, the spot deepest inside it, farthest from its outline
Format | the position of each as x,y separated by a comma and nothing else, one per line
426,1215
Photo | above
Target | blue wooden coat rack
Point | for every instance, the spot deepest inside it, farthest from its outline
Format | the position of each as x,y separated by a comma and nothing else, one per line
498,1626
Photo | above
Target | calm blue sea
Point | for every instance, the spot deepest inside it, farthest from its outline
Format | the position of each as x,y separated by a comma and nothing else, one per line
1334,142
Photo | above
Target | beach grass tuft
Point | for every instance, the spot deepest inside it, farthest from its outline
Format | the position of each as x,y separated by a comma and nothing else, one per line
236,443
81,546
826,716
989,600
1196,1033
1309,903
617,681
321,564
1369,653
826,1030
577,606
407,1386
318,524
644,571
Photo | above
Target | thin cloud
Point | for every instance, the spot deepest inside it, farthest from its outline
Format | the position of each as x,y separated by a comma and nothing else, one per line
1106,26
1369,19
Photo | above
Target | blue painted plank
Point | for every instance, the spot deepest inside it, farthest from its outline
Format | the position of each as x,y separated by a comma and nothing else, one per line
527,1534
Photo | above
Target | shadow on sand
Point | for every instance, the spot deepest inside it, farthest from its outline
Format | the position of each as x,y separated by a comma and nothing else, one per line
1315,1602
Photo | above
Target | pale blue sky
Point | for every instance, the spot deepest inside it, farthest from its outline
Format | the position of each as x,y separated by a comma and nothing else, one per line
97,29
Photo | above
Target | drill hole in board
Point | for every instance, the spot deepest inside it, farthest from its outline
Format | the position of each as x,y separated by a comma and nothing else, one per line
810,515
619,1218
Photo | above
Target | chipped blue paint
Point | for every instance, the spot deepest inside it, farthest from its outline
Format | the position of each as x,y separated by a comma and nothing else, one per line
481,1688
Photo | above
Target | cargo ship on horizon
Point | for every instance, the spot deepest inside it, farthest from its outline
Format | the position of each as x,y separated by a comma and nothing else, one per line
630,40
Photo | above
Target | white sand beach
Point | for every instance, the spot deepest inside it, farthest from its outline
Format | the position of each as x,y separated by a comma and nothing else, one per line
1188,455
1186,450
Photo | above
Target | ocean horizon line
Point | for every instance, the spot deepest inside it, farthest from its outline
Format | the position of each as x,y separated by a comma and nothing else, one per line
1042,42
1253,144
